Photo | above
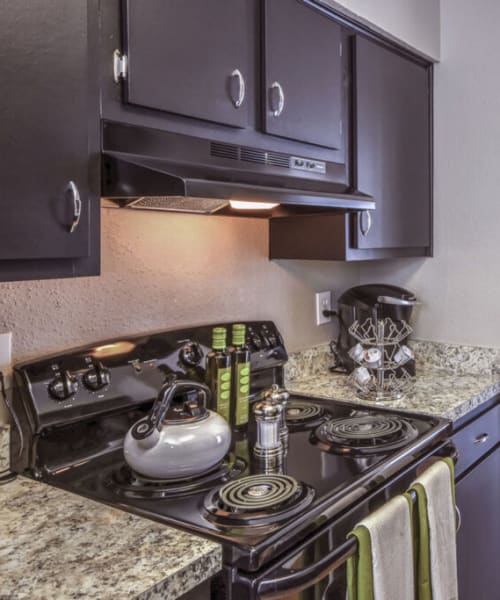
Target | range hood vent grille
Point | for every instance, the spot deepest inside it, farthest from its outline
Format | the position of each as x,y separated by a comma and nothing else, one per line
253,155
224,151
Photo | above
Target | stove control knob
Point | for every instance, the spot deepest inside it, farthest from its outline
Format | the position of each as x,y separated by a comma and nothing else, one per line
63,386
190,354
96,378
256,340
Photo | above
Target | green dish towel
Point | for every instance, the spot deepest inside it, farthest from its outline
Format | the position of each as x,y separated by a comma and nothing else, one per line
383,566
436,539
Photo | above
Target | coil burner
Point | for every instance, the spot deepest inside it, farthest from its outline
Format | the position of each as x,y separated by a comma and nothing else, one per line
367,434
127,483
301,414
257,500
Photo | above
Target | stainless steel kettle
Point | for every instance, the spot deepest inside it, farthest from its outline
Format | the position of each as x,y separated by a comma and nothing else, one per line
178,439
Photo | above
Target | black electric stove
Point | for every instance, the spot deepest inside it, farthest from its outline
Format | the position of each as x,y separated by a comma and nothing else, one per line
73,410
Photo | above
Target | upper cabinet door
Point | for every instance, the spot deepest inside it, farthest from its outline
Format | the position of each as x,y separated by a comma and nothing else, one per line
191,58
44,141
392,108
303,74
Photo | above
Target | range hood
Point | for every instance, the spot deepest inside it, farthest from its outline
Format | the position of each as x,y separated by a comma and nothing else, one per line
156,170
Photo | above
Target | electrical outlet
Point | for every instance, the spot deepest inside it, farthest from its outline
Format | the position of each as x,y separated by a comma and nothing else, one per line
6,356
323,302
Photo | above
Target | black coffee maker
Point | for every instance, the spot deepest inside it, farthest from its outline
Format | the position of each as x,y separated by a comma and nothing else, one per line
376,301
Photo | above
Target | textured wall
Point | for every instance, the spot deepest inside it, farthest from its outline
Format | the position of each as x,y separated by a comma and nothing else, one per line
460,286
164,270
415,22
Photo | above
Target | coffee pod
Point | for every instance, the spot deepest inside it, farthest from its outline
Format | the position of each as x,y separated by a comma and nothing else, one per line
361,376
356,353
372,357
403,355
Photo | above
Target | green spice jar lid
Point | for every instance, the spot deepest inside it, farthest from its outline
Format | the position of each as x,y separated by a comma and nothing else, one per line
219,338
239,334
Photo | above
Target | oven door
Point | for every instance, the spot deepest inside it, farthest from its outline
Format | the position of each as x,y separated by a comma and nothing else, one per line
316,569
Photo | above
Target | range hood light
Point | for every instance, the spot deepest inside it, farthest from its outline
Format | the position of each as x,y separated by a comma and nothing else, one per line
244,205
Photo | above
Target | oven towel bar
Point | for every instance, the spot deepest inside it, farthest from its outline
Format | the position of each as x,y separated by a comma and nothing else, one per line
431,499
276,587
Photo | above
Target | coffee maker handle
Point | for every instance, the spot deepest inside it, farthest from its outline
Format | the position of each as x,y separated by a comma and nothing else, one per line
396,301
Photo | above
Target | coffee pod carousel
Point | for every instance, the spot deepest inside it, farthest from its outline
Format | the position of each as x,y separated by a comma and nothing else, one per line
381,356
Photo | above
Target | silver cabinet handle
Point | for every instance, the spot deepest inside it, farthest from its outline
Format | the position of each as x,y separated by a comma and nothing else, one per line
281,99
481,438
241,88
77,205
459,518
365,222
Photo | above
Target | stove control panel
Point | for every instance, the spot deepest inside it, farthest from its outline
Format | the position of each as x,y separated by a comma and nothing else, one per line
121,374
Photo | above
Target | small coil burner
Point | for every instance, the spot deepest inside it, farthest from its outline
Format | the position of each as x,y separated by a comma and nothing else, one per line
257,500
127,483
302,414
367,434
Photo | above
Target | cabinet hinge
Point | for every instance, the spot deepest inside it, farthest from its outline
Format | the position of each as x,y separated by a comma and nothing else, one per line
341,129
119,66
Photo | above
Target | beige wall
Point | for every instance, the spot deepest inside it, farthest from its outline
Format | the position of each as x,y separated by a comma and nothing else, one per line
164,270
460,286
415,22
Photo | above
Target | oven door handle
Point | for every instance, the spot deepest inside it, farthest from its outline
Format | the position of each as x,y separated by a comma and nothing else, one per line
297,581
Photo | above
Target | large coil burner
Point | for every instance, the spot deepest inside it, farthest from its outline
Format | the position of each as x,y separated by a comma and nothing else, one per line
257,499
366,434
129,484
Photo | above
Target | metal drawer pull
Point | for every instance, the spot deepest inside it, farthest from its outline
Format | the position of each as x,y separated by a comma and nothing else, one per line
241,88
459,518
77,205
281,99
365,222
481,438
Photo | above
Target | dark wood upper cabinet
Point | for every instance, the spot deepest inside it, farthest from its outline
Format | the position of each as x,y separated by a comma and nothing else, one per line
391,126
190,58
49,143
302,64
392,146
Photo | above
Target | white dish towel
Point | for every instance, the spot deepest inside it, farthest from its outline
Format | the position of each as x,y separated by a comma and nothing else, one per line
437,484
391,540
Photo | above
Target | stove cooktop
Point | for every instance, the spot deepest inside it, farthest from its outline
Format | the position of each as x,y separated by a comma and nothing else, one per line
244,506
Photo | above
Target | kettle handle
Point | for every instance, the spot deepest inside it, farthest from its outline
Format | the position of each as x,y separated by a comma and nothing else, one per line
145,427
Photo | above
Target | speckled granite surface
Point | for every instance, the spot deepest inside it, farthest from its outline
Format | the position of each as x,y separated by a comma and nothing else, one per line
4,447
59,546
452,380
463,360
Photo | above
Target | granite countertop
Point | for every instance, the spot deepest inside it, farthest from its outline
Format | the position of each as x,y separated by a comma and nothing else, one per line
58,545
451,380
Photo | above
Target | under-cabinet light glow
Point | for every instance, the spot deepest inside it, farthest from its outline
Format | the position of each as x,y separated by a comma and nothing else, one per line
243,205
